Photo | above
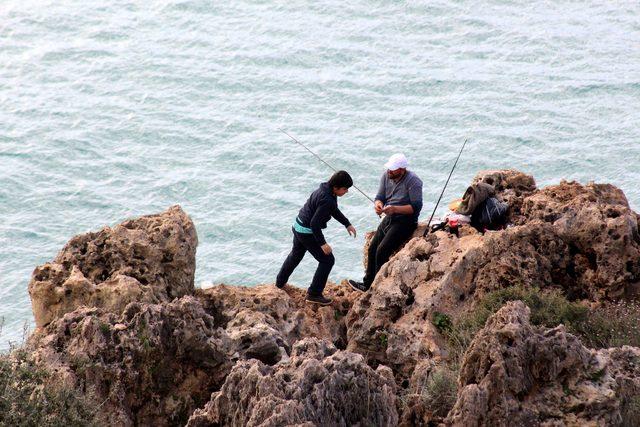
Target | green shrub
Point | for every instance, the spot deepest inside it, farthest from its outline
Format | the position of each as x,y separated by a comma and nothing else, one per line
384,339
548,308
28,397
442,322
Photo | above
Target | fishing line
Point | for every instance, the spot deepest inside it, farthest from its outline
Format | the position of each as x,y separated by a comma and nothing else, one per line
320,158
445,187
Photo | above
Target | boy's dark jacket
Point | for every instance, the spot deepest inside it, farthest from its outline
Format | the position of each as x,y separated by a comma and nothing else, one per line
318,210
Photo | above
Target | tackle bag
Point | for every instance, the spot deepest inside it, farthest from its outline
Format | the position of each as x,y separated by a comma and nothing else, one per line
489,215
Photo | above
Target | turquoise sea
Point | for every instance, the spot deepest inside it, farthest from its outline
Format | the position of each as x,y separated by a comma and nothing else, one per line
115,109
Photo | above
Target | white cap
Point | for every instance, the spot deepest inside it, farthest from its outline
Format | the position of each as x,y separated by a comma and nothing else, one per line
397,161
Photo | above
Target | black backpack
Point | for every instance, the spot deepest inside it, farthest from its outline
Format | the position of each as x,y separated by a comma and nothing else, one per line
489,215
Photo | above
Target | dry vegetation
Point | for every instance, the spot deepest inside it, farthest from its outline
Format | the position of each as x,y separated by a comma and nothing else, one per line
611,324
30,397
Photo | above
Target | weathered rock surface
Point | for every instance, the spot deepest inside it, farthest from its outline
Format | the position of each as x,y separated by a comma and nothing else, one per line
562,242
265,322
446,274
317,385
601,232
153,364
149,259
515,374
117,311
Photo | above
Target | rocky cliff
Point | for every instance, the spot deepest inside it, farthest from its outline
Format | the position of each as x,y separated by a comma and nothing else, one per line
516,374
117,313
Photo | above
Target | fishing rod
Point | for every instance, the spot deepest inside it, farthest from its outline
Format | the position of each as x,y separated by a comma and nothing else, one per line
445,187
319,158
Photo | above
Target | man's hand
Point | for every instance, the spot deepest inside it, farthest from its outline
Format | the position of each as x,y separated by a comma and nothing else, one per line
389,210
378,206
401,210
326,249
352,231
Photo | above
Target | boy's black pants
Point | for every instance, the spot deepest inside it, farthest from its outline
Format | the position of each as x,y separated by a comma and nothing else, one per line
301,244
392,232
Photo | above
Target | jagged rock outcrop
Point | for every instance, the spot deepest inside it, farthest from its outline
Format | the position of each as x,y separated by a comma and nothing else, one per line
601,231
446,274
317,385
515,374
150,259
151,365
117,312
252,314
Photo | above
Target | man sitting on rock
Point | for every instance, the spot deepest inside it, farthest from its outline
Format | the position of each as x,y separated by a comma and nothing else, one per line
307,234
400,199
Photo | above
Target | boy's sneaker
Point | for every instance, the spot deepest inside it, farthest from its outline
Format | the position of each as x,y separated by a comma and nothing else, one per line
318,299
358,286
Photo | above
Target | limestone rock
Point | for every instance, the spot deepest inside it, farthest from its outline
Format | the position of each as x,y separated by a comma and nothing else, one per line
446,274
248,312
601,231
151,365
578,239
148,259
318,385
116,311
154,364
515,374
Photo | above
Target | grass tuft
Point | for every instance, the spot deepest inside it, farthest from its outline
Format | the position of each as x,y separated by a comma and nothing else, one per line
439,392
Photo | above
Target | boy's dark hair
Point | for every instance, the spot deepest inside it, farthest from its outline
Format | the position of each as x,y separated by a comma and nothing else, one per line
341,179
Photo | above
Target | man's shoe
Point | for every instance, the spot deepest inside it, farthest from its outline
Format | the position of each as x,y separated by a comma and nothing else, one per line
358,286
280,286
318,299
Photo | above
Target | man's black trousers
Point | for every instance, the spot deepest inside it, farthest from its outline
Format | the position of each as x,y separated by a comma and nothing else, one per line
301,244
392,232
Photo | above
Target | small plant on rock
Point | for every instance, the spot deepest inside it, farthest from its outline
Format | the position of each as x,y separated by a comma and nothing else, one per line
105,329
439,392
610,325
384,339
442,322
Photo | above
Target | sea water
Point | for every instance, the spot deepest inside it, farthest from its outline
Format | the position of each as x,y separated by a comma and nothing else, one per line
115,109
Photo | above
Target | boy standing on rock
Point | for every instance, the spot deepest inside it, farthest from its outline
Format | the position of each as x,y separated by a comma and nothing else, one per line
400,199
321,206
